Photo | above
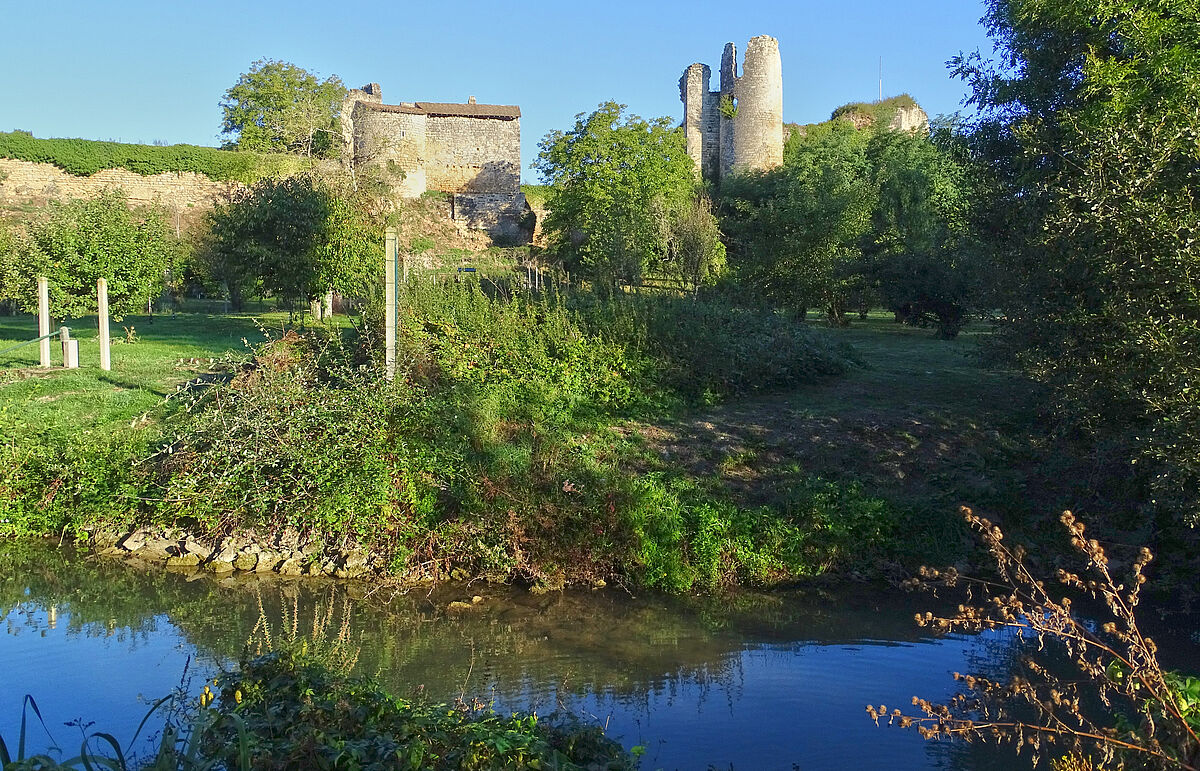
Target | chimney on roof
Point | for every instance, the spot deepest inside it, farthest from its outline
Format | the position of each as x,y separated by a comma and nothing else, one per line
470,100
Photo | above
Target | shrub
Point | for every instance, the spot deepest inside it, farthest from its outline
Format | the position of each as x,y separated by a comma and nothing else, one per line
82,241
299,715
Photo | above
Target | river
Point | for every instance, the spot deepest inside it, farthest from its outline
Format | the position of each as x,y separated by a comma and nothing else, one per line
750,681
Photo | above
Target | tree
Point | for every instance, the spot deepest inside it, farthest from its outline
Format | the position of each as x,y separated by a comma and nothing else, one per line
279,107
85,240
1086,147
920,256
296,238
796,230
612,176
695,253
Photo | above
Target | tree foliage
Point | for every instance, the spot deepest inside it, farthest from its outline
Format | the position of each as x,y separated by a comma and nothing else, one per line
1088,141
85,240
853,216
796,230
295,238
279,107
613,177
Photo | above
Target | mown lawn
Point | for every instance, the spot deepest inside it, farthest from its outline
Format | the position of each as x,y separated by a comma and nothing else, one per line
168,350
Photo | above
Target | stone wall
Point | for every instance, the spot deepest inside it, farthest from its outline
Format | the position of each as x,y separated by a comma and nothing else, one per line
500,214
740,126
473,155
393,139
24,182
758,124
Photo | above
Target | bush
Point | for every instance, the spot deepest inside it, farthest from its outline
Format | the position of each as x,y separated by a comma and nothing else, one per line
300,715
85,240
493,453
84,157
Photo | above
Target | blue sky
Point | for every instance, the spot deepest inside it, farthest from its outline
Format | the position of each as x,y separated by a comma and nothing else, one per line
142,70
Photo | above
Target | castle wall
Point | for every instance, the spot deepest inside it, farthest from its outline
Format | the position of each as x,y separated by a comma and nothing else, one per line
758,125
693,90
473,155
25,182
750,139
395,139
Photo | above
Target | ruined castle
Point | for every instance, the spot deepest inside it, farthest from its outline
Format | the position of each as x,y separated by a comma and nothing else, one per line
739,127
471,151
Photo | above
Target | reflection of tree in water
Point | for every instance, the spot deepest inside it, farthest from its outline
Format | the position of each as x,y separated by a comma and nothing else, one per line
513,642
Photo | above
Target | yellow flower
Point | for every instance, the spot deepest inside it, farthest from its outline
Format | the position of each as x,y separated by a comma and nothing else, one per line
237,696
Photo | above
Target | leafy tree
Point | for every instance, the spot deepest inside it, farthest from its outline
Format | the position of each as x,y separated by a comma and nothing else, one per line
613,175
85,240
796,230
1086,145
295,237
279,107
695,253
920,256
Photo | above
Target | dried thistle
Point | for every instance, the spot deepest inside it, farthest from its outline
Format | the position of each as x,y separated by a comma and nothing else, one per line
1120,665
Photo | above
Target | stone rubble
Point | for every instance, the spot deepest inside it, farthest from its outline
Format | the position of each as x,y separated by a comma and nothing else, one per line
287,553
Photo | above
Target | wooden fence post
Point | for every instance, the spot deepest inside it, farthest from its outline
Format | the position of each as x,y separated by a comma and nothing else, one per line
389,303
43,321
102,307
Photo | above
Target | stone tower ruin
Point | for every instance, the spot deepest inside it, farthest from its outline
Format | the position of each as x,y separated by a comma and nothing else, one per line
740,126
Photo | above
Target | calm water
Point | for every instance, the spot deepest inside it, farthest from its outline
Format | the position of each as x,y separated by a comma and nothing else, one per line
757,682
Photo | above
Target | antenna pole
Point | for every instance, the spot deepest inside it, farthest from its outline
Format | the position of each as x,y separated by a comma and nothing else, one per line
881,78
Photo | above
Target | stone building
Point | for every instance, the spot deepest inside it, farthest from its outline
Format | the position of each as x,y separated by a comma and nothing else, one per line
738,127
471,151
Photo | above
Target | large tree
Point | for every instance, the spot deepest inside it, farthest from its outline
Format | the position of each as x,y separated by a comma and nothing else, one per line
279,107
795,231
613,176
1086,145
296,238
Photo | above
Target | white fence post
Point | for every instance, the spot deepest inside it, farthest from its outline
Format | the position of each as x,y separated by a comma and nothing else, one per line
70,348
102,306
389,303
43,321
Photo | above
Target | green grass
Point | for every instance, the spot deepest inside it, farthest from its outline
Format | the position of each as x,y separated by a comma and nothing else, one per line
170,350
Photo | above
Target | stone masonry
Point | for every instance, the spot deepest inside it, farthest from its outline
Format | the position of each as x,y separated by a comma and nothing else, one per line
469,150
25,182
738,127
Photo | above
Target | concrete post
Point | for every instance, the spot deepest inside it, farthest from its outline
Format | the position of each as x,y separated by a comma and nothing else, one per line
43,321
105,341
389,303
70,348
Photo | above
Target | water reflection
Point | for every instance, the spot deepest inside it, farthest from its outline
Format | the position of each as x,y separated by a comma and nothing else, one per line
757,682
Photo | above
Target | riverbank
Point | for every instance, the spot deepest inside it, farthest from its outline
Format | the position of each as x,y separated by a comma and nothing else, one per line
669,445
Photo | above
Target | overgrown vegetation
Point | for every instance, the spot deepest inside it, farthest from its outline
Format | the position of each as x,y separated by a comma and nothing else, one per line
1086,154
84,157
1156,712
287,710
497,453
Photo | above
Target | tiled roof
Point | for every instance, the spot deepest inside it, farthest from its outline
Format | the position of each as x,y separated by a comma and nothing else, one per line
447,109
